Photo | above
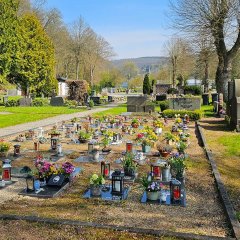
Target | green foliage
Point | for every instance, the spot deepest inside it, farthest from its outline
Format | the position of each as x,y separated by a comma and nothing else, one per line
39,102
163,105
70,103
84,135
193,115
128,161
231,144
195,90
172,91
146,85
91,103
12,103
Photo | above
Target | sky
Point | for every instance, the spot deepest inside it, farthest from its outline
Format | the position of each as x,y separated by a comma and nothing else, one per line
134,28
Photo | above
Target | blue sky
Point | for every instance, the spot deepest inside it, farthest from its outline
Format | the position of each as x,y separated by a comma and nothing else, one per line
134,28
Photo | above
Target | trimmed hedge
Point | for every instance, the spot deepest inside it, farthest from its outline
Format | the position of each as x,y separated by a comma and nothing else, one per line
39,102
193,115
12,103
195,90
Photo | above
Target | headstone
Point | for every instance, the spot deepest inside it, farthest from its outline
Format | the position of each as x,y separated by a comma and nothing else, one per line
25,102
161,97
205,97
57,101
191,104
96,100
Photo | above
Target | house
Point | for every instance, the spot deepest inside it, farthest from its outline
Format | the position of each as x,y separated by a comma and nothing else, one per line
62,87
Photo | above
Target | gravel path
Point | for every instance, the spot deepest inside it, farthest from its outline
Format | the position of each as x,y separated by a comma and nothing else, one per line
48,121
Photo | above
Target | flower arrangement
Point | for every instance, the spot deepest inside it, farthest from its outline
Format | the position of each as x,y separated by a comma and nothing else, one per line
158,124
4,146
128,161
181,146
135,123
96,180
67,168
84,135
178,118
178,165
54,132
150,186
163,147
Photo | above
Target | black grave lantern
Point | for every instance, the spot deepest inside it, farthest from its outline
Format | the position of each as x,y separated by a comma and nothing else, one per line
117,182
29,183
105,169
175,191
16,150
54,142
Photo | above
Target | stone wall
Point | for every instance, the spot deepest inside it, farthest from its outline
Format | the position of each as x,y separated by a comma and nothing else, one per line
181,103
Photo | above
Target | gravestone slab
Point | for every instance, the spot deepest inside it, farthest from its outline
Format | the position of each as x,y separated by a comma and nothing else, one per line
185,103
25,102
57,101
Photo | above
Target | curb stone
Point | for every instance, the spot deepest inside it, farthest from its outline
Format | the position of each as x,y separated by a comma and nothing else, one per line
230,212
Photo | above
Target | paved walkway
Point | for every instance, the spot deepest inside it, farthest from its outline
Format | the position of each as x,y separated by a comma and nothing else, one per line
4,132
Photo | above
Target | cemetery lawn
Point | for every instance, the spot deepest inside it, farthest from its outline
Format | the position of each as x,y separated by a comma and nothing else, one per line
225,148
113,111
35,231
19,115
202,215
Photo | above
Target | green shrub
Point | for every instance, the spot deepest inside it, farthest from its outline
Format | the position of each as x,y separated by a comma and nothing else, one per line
91,103
39,102
172,91
164,105
12,103
193,115
70,103
195,90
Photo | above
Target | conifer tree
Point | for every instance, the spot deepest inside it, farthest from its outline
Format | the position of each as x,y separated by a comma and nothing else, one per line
146,85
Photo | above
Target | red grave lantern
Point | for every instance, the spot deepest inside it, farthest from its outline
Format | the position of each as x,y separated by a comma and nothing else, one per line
105,169
6,170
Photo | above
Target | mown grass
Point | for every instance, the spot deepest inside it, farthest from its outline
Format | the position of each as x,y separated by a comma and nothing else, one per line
207,110
232,145
113,111
30,114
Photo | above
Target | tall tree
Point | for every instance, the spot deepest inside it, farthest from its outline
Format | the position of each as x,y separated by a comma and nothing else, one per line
218,19
34,67
146,85
8,36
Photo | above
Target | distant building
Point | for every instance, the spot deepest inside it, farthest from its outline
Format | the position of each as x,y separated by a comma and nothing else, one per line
62,87
194,82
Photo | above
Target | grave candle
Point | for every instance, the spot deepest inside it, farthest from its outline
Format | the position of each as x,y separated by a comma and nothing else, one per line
128,147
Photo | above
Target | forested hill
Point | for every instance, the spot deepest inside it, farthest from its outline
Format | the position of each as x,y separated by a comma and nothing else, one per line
143,62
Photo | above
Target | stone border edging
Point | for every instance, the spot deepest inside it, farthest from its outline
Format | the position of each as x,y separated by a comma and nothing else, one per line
231,214
158,233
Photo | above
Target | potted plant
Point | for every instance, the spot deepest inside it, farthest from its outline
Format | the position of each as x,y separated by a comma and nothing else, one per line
181,147
169,137
96,183
158,126
178,166
54,133
135,123
129,165
164,149
4,148
83,136
106,141
152,188
146,145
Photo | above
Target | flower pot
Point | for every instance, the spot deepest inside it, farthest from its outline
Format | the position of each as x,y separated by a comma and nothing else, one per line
153,196
164,154
96,190
158,131
129,171
146,148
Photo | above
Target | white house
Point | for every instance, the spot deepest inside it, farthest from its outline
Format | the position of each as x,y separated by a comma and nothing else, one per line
62,86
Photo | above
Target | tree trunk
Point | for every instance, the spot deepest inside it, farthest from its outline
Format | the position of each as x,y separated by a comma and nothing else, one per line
223,76
206,76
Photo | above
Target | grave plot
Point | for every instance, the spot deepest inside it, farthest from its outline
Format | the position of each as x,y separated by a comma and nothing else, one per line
194,208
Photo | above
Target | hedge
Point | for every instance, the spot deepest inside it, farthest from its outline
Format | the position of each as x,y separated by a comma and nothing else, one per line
196,90
39,102
12,103
193,115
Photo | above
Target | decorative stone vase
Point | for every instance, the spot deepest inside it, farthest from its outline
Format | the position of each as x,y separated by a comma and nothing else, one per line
146,148
96,190
153,196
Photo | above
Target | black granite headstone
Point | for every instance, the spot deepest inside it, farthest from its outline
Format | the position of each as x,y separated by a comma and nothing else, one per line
57,101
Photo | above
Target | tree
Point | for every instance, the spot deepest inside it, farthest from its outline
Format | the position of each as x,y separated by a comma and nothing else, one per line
219,20
8,36
34,65
146,85
129,70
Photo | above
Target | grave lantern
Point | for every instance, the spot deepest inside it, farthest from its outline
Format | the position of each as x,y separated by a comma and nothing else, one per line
156,171
129,147
36,146
68,132
29,183
59,150
105,169
117,182
16,150
90,147
175,191
54,141
6,170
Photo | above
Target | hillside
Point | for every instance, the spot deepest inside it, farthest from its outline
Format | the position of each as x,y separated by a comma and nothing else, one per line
143,63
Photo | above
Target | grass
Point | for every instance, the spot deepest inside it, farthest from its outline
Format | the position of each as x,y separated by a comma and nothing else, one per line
29,114
207,110
232,145
113,111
